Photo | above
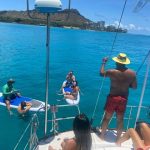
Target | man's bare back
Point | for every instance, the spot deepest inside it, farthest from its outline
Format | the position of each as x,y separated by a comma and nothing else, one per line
121,81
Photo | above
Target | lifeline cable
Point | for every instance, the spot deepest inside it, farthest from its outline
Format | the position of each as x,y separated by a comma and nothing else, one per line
34,116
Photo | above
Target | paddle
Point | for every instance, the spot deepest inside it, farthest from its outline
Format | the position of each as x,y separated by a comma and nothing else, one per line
60,94
59,100
15,91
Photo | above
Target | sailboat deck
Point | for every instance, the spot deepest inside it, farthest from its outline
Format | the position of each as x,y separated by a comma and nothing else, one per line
97,143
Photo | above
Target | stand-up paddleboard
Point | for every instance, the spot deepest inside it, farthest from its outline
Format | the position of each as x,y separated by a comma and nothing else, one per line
36,104
70,101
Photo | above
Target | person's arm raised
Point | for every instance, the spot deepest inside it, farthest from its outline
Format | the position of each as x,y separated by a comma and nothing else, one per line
102,69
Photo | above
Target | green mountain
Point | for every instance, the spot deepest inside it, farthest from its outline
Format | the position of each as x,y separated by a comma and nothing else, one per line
66,18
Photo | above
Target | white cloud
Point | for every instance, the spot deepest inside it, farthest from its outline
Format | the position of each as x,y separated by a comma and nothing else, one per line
116,23
131,27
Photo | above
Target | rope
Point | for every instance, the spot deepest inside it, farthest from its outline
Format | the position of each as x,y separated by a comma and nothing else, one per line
118,27
108,57
97,100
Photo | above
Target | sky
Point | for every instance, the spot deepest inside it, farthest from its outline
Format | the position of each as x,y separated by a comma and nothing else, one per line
98,10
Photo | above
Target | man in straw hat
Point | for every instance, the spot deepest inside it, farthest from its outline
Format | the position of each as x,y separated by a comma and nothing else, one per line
121,79
9,93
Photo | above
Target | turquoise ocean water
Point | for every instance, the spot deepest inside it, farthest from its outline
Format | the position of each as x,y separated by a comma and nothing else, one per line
22,57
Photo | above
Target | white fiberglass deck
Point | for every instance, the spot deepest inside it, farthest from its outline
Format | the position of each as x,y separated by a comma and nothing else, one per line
97,144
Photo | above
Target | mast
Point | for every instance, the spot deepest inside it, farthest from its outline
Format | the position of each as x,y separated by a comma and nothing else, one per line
47,6
47,69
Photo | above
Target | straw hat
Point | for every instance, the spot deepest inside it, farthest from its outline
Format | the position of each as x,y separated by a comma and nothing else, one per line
122,59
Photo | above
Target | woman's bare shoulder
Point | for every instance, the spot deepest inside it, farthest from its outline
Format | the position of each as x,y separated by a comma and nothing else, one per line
69,144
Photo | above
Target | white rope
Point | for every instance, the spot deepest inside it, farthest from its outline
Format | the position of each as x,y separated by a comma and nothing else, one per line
143,91
98,97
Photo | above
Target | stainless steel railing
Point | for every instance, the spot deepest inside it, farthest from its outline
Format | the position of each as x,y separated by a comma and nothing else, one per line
131,116
54,120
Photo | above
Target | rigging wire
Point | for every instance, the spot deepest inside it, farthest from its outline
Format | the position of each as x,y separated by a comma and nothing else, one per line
143,62
118,27
93,115
143,90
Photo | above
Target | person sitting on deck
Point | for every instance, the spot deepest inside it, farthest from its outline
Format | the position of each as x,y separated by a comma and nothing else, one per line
24,107
74,94
9,93
82,139
140,138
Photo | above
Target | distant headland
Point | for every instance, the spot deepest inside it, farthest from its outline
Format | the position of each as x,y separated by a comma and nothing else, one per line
66,18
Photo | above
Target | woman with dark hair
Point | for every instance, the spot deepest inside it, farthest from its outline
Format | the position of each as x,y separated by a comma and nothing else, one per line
24,107
82,131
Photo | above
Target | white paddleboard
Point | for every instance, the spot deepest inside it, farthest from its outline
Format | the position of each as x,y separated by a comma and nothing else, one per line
73,102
